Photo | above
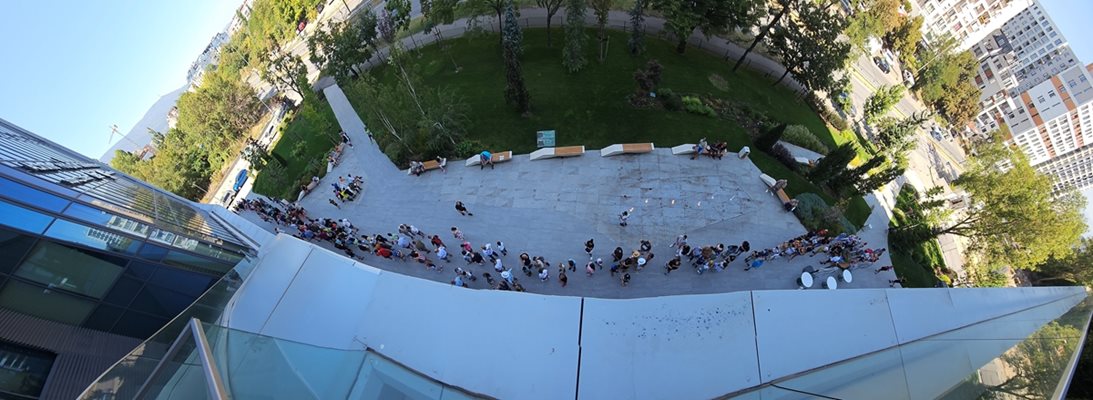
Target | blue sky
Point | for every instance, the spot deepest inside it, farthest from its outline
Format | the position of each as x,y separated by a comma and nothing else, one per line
72,69
1072,17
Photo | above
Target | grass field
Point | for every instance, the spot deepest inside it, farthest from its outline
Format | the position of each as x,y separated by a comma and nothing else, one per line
306,139
915,263
591,108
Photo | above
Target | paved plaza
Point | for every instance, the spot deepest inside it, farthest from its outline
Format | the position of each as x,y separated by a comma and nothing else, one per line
549,208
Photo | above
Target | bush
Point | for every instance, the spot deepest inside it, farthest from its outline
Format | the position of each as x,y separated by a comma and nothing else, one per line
671,100
766,140
694,105
801,136
782,154
467,148
815,214
831,117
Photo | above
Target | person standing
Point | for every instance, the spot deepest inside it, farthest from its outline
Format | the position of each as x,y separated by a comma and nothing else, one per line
588,246
544,274
442,253
623,217
562,278
501,248
456,233
462,209
680,241
617,254
590,268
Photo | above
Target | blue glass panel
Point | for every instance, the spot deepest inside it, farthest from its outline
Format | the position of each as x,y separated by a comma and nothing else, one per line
185,260
185,282
141,270
152,252
49,304
23,219
160,301
12,248
72,269
103,318
103,218
123,291
134,324
92,237
27,195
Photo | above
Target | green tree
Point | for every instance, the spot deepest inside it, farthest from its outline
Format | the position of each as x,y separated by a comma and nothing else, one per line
782,7
600,8
573,53
809,47
1075,267
904,40
946,84
1012,218
876,18
339,47
636,43
437,13
516,93
130,164
896,137
833,164
286,72
394,18
711,16
551,7
880,102
215,116
497,7
766,141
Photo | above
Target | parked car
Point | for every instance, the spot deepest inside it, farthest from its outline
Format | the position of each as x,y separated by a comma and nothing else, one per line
882,64
240,180
908,79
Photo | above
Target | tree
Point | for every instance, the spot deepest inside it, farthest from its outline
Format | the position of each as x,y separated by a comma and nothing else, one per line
1012,218
880,102
832,164
516,93
809,47
636,43
480,7
896,136
130,164
647,79
573,54
783,7
865,178
600,8
437,13
551,7
287,72
394,18
904,40
770,137
712,16
339,47
876,18
946,84
1074,267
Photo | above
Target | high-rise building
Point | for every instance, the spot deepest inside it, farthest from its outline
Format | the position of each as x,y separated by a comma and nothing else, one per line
92,262
967,21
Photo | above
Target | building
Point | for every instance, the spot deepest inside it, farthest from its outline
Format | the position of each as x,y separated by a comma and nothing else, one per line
1026,51
111,289
94,262
967,21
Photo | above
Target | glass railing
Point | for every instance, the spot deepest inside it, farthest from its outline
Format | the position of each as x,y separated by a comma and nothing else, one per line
1025,355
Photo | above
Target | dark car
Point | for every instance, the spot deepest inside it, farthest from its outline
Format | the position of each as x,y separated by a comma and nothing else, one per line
240,180
882,64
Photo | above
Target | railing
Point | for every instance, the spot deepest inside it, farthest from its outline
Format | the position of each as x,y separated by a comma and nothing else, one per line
213,381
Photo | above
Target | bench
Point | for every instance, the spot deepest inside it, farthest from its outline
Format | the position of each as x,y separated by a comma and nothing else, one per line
683,149
627,148
555,152
433,164
744,152
498,157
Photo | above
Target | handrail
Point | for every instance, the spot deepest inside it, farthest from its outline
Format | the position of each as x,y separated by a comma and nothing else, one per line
213,381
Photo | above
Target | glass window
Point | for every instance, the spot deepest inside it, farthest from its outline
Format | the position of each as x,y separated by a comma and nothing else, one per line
27,195
124,291
23,219
160,301
41,302
186,282
103,218
68,268
152,252
134,324
189,261
141,270
24,370
92,237
103,318
13,246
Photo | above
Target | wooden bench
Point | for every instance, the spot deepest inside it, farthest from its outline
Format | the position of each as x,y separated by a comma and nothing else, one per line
683,149
498,157
627,148
433,164
555,152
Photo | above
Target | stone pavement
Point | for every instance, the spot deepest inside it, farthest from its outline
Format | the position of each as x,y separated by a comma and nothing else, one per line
550,208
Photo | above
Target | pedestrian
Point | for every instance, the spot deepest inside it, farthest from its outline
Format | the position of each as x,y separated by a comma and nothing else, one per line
467,246
599,263
623,217
754,264
501,248
437,242
335,204
626,280
680,241
572,265
370,138
462,209
544,274
562,278
879,270
487,252
442,253
485,158
646,245
345,139
497,266
588,246
476,258
617,254
672,265
590,268
901,281
458,281
456,233
507,275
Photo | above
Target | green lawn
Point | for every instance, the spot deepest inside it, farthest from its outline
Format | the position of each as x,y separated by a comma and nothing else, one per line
915,263
313,124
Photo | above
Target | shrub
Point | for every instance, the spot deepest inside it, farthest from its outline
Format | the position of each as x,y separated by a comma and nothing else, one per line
766,140
831,117
801,136
782,154
815,214
671,100
694,105
467,148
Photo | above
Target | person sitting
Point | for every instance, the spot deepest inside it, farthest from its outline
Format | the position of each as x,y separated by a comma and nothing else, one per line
485,158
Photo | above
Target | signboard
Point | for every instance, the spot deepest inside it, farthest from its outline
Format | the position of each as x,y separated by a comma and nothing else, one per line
544,139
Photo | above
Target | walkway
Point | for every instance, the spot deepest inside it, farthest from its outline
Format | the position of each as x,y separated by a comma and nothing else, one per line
551,207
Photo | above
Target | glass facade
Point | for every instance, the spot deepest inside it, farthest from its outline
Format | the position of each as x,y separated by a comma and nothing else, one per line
23,371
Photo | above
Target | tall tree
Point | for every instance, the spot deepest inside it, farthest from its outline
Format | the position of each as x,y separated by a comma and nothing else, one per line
394,18
637,28
1012,218
1075,266
600,8
946,84
339,47
881,101
437,13
286,72
904,40
573,53
895,137
682,17
809,47
551,7
516,93
782,7
876,18
496,7
834,163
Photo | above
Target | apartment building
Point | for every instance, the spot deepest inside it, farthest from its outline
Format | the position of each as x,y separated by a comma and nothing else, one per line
968,21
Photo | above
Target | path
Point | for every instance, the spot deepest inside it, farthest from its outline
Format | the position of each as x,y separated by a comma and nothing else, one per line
551,207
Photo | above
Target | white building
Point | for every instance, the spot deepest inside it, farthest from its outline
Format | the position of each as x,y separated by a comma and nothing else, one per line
968,21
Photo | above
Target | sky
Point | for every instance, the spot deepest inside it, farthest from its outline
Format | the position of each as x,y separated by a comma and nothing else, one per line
72,69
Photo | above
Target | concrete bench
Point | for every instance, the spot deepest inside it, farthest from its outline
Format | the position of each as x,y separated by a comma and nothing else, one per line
499,157
556,152
683,149
627,148
744,152
767,180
